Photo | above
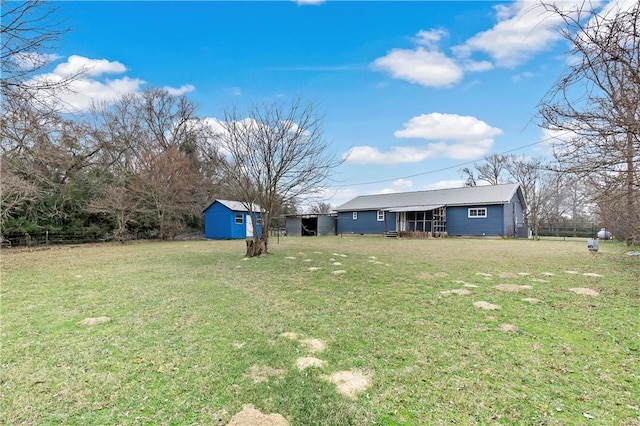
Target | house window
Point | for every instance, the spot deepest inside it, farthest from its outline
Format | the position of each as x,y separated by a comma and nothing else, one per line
380,216
477,212
239,218
355,215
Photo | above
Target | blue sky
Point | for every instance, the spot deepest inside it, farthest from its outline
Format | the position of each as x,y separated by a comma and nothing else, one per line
412,91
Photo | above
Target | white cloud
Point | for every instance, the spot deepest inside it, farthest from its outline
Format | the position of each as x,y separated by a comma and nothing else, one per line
447,126
402,183
397,155
524,29
430,38
88,67
420,66
92,83
458,137
334,196
446,184
185,88
33,60
476,66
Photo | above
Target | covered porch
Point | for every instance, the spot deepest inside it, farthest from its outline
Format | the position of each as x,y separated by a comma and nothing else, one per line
430,220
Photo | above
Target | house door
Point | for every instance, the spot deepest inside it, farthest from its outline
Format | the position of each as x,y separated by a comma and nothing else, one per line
249,232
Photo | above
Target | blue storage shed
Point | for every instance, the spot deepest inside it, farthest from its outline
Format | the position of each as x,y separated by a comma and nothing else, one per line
227,220
495,210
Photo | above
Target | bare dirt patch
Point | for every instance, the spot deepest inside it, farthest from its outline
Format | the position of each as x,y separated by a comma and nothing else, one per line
585,291
507,275
94,321
571,272
548,274
459,291
339,272
290,258
337,264
509,328
483,274
591,274
314,268
539,280
530,300
524,274
470,285
239,345
440,274
262,373
486,305
512,288
309,361
289,335
351,383
313,345
249,416
425,275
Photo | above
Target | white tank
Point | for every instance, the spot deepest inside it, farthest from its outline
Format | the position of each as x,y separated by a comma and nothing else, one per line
603,234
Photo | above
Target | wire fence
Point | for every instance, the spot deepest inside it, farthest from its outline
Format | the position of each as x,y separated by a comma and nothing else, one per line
40,238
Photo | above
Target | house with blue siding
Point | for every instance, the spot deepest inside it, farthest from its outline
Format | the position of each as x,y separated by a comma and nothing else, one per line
494,210
228,220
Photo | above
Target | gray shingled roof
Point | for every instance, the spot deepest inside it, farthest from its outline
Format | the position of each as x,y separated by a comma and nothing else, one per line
476,195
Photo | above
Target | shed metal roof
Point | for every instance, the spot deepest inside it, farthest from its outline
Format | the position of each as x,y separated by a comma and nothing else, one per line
405,201
237,206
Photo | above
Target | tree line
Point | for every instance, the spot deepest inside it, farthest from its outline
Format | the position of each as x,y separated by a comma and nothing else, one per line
147,164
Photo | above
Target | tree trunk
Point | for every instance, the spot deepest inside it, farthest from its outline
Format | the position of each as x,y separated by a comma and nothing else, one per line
256,247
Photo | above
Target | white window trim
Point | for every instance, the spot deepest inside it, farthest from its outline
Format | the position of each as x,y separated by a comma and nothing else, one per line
478,210
241,216
355,215
380,215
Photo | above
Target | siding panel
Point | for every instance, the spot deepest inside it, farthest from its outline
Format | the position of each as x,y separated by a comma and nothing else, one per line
458,222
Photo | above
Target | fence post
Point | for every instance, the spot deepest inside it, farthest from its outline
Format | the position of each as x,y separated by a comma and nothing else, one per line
46,238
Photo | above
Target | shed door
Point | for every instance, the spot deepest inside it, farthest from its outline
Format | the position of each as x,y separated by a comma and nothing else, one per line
249,232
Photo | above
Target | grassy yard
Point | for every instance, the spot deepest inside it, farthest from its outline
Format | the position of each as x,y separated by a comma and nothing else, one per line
196,332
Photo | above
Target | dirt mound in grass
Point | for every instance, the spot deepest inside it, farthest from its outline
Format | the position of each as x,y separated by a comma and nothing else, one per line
351,383
507,275
585,291
509,328
309,361
486,305
249,416
289,335
512,288
313,345
94,321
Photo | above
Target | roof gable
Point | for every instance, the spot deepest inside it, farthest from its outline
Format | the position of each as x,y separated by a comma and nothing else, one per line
489,194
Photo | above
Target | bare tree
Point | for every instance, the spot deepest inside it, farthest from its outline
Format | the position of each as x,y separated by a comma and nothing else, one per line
470,178
321,208
493,169
275,153
597,103
538,184
29,31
